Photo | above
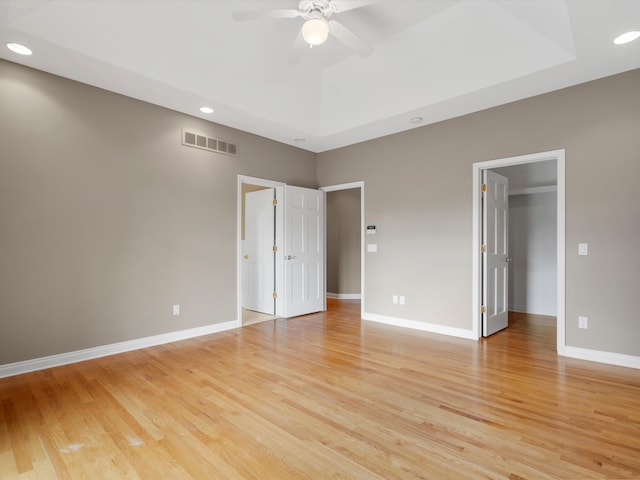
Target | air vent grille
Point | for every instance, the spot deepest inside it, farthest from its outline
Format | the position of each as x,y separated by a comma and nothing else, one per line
191,139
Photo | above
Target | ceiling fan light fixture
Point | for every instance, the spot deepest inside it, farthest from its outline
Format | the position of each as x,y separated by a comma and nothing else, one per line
315,31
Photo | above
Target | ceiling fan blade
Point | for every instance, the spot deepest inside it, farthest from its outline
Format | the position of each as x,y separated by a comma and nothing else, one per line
299,46
264,14
350,39
346,5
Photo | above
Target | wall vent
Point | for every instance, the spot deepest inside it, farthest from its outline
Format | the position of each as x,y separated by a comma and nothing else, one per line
191,139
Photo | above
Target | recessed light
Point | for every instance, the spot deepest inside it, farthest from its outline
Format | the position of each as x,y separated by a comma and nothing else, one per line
417,120
206,109
299,140
19,49
626,37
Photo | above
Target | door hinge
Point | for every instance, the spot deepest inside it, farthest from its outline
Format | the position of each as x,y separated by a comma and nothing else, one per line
275,202
483,187
275,295
275,248
483,309
484,248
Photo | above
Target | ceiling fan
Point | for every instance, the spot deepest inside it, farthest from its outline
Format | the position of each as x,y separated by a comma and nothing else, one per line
317,26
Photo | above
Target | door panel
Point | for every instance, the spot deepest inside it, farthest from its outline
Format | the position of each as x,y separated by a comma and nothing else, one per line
495,264
304,251
259,258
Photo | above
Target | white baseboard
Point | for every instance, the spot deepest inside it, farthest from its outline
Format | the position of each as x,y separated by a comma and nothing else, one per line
619,359
344,296
427,327
525,309
26,366
610,358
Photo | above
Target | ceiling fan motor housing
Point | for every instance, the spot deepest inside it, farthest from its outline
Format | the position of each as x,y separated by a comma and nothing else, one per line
311,8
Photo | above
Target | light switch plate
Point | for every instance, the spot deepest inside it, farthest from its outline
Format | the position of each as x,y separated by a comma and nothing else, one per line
372,247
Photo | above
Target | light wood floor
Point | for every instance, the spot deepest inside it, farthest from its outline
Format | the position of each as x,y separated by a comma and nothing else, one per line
327,396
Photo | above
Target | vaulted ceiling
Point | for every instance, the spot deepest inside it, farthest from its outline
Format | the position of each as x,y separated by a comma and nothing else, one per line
431,60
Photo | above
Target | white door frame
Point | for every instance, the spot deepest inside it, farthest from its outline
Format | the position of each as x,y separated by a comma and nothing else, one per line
334,188
559,157
279,188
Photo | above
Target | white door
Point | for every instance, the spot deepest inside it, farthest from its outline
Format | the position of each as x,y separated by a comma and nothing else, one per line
495,259
259,257
304,251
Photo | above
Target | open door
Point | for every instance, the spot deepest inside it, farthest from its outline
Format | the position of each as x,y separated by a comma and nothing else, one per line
495,258
259,255
304,251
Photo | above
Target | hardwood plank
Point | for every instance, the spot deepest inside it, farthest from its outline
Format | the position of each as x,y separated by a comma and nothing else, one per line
17,437
327,396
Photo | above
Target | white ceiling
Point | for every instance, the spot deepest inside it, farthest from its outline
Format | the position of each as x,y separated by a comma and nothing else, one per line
432,59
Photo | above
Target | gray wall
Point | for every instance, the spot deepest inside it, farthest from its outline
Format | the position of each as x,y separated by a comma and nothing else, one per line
419,195
532,248
343,241
106,220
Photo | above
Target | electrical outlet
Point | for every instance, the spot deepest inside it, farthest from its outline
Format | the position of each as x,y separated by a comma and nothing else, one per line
401,300
176,309
395,299
583,322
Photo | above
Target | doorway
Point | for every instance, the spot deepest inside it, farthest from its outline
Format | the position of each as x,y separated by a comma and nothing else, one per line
297,250
532,237
344,242
258,254
256,284
499,165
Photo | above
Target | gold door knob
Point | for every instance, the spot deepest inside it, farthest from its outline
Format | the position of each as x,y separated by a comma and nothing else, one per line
246,257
